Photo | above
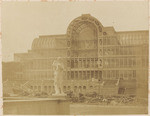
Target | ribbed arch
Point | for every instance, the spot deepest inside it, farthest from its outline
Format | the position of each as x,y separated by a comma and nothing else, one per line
79,23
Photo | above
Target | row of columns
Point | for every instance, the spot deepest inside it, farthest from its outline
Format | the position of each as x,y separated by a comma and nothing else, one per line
122,50
115,74
83,63
127,62
83,75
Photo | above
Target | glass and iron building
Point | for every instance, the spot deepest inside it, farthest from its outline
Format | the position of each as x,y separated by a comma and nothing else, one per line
96,59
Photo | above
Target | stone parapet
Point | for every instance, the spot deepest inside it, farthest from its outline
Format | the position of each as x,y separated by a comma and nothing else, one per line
37,106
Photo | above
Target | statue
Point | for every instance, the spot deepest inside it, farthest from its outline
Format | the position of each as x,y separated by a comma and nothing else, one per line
58,69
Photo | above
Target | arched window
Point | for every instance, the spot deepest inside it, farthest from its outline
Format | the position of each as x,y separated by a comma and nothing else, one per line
64,88
49,88
45,88
80,89
75,88
84,88
39,88
69,88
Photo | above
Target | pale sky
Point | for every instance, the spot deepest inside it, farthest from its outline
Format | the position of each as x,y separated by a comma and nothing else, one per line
24,21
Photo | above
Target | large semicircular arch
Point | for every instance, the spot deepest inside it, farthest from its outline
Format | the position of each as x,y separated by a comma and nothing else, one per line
77,22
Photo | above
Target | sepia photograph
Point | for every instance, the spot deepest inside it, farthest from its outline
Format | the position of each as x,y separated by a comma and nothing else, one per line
75,58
